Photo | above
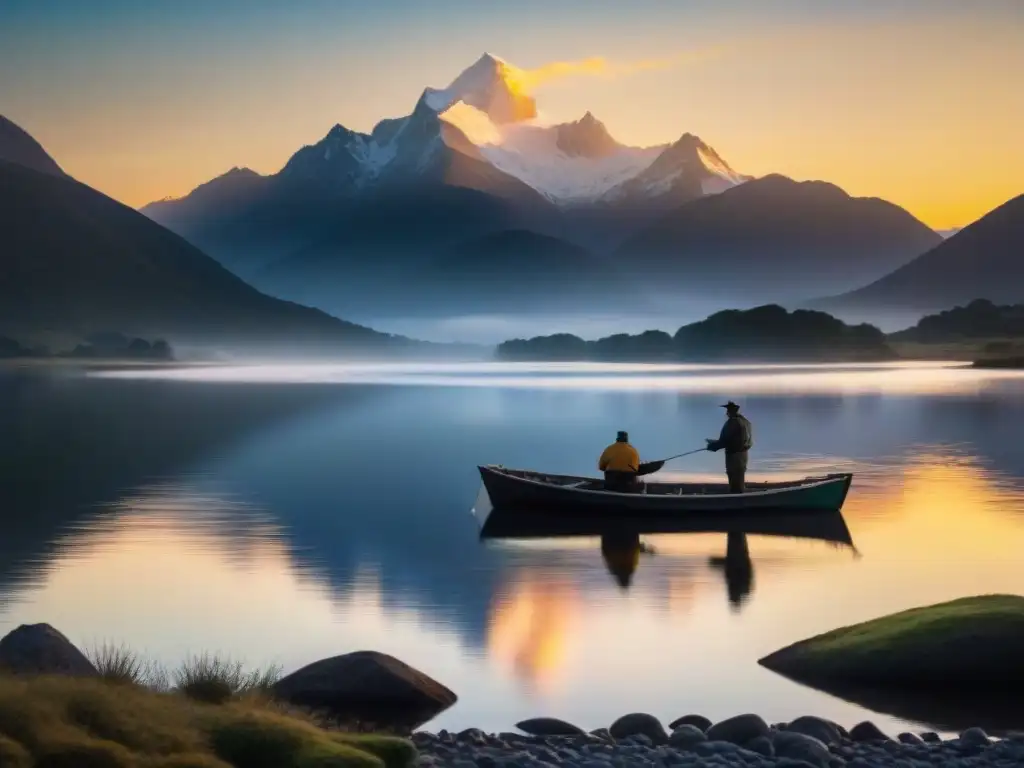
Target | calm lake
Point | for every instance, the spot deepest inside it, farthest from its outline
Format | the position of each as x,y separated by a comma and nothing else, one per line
284,514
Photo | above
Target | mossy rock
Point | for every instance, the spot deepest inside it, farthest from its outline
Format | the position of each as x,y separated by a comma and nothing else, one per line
971,643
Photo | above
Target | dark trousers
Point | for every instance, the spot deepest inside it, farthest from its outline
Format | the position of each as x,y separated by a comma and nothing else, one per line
736,471
621,482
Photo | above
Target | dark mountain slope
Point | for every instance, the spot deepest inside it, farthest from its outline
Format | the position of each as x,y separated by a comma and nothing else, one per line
17,146
775,237
982,261
74,261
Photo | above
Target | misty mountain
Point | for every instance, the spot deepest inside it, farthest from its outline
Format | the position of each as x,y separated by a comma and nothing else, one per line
17,146
521,271
981,261
775,238
74,262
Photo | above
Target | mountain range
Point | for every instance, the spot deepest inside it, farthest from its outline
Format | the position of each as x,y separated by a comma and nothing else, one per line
74,262
359,224
469,205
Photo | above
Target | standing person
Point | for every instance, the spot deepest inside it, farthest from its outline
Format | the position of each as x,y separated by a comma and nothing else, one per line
737,438
620,462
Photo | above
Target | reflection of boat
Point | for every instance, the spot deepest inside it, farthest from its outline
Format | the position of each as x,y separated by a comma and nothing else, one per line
525,523
621,546
571,495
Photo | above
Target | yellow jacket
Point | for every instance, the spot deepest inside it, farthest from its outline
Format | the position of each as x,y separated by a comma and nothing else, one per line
619,457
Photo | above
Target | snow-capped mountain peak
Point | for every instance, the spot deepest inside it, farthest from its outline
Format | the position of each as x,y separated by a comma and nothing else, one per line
487,115
492,86
587,137
686,169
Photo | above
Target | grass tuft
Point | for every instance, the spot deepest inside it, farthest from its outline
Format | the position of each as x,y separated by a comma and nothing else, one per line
215,680
120,664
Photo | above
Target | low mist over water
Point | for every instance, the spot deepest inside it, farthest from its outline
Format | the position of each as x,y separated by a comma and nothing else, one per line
287,513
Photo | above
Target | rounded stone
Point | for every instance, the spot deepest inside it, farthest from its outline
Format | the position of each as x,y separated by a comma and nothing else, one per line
867,732
698,721
762,745
910,738
639,724
739,729
818,728
974,737
799,746
549,726
685,735
930,737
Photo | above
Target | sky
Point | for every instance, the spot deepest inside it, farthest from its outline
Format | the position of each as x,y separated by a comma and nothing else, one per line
919,102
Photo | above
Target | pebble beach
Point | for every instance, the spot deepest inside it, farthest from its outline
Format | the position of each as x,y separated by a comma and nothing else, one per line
746,741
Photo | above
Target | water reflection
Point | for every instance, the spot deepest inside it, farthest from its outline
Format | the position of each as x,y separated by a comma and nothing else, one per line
283,523
621,546
737,567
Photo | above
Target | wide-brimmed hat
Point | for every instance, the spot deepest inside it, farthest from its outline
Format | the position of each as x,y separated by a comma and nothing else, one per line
731,406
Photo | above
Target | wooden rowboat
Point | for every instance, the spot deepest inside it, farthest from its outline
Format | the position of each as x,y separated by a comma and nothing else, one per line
573,495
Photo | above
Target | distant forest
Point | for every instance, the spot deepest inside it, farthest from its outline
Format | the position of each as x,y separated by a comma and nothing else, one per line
768,333
981,319
110,346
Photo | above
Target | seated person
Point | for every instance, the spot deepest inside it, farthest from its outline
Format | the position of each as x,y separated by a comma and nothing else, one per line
620,463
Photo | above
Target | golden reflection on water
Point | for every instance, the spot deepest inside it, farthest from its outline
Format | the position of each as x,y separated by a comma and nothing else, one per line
529,625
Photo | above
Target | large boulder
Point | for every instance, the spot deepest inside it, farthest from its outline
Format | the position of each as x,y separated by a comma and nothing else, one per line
39,649
968,644
367,687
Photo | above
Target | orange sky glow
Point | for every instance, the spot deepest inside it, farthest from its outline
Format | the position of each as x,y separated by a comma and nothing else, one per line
925,110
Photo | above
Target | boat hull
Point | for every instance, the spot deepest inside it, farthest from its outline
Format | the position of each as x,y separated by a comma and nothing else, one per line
562,494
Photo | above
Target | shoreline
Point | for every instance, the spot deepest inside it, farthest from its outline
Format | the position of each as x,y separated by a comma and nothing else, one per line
745,740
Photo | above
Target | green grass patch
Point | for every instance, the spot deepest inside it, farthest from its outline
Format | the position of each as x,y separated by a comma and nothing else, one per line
973,642
53,722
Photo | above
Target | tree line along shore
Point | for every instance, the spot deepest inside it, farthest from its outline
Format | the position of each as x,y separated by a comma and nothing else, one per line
983,332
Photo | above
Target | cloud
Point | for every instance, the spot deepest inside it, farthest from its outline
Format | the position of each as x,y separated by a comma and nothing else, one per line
528,80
